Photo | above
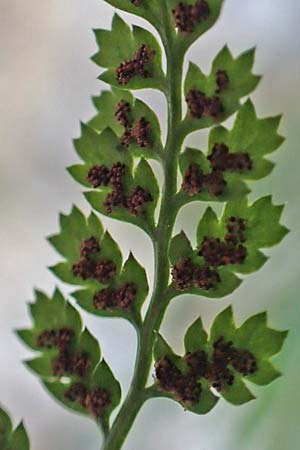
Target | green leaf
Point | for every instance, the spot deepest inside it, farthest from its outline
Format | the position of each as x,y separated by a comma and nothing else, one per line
195,337
97,200
54,312
75,231
223,326
106,105
207,401
145,178
238,393
259,338
119,46
241,83
250,135
12,439
100,148
161,348
209,226
233,188
223,362
180,248
187,38
265,375
263,228
5,426
79,354
133,272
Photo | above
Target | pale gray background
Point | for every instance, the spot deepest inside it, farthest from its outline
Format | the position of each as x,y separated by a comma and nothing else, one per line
46,81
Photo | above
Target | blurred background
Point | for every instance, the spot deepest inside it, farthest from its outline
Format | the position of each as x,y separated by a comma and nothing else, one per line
46,81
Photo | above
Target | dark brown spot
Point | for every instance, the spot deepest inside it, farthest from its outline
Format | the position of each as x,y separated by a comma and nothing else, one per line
105,299
202,106
187,17
126,138
89,247
104,271
222,159
219,253
197,363
64,337
126,295
222,80
80,364
193,180
236,230
215,183
46,339
98,176
206,278
61,365
117,172
97,401
136,2
244,362
137,200
185,388
115,199
123,114
83,269
76,393
183,274
135,66
141,132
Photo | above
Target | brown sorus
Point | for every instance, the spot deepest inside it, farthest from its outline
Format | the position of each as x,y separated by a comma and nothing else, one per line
183,274
222,80
197,362
236,227
244,362
141,132
80,364
55,338
123,113
89,247
126,138
126,295
98,176
84,269
215,183
64,337
46,339
117,172
97,401
136,66
220,377
206,278
184,388
202,106
104,271
167,375
76,393
114,199
221,159
105,299
62,365
187,17
137,200
193,180
219,253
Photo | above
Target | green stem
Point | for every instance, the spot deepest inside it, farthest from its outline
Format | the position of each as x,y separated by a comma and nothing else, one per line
138,394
